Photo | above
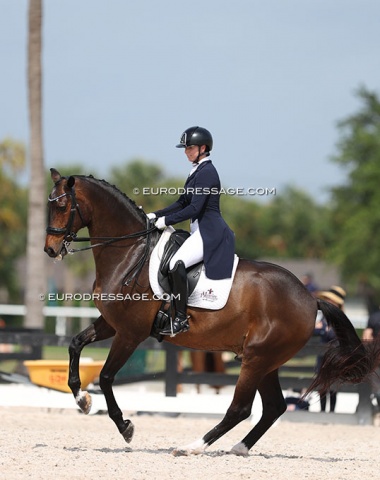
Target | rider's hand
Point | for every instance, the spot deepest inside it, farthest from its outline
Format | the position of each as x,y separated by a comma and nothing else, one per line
160,224
151,216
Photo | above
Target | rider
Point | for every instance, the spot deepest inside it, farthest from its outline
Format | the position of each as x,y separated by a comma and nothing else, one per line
210,238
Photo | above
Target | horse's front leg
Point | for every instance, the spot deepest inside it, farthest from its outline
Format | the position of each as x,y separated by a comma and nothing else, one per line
99,330
120,351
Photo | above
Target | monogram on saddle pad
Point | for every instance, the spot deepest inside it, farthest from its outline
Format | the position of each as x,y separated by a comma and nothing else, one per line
203,292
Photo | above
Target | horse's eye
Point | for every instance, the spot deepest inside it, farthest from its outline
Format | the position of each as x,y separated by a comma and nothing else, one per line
61,208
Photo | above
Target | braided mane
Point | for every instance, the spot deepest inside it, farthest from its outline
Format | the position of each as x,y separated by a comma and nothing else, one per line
117,195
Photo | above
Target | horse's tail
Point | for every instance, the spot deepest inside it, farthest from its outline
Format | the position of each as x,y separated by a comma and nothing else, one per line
348,359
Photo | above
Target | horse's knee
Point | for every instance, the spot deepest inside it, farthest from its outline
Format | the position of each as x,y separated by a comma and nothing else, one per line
75,346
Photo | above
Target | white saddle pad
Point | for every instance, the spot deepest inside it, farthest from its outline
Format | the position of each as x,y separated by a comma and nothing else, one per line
211,294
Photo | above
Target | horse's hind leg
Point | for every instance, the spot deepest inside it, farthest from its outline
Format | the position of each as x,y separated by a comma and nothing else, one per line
274,406
99,330
239,410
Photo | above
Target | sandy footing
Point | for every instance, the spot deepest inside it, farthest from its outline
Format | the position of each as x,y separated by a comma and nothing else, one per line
65,444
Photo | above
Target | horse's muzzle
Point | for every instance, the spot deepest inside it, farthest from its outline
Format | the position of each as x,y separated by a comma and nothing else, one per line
51,252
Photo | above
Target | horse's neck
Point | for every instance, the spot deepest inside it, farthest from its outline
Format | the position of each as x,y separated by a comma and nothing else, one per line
113,215
113,226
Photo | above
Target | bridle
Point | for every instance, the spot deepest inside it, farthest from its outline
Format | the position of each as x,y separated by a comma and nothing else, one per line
70,236
67,230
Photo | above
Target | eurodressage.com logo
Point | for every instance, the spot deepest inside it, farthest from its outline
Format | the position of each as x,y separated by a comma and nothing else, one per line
105,297
241,192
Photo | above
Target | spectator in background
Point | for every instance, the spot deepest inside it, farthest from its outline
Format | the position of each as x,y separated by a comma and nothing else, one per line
308,281
296,401
336,296
369,334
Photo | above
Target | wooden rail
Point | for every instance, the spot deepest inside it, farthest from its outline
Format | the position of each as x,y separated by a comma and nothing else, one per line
292,375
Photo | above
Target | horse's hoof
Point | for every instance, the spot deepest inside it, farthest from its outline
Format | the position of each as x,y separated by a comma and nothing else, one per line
84,402
129,431
180,452
239,449
195,448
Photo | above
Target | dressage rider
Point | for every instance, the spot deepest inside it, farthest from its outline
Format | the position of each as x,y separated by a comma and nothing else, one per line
210,237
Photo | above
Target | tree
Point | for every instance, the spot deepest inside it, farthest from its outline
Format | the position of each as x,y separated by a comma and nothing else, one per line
243,217
35,278
12,215
295,226
356,212
136,176
12,156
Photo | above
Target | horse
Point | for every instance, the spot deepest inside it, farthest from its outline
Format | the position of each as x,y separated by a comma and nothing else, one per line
268,318
207,362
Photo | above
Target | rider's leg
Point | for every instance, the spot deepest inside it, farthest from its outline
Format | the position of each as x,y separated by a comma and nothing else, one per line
178,284
190,253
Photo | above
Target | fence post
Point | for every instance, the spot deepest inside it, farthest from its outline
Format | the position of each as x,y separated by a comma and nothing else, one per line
171,373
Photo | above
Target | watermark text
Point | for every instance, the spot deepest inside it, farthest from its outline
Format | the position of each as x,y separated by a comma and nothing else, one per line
105,297
239,191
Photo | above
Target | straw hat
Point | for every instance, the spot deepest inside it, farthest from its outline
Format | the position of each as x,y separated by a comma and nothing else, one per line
336,294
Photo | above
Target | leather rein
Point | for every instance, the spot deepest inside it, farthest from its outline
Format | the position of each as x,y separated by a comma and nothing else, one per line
70,236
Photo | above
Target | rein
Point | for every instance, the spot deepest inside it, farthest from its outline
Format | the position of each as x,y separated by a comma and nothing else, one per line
133,272
72,236
107,240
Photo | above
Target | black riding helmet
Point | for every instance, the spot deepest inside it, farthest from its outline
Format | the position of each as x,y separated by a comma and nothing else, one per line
196,136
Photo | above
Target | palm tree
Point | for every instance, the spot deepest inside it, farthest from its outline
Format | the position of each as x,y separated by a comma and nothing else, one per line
35,278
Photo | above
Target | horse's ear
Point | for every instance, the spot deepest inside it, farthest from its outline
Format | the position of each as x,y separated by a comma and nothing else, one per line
71,182
55,175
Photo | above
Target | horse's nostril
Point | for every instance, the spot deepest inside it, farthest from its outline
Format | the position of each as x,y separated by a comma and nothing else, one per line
50,251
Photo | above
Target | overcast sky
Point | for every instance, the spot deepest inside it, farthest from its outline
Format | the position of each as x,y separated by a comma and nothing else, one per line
122,79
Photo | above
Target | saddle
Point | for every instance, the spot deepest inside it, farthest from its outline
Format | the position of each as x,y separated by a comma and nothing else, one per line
175,241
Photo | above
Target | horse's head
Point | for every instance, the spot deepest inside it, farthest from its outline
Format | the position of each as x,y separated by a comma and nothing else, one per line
65,218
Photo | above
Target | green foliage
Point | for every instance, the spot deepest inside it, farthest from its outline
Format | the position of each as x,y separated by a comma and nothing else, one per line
296,226
13,214
356,212
292,225
141,182
12,156
243,217
146,184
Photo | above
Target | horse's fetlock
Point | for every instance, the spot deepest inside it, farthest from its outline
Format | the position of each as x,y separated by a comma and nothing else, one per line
74,384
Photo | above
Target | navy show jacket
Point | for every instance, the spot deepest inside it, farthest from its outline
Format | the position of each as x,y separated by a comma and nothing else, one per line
200,201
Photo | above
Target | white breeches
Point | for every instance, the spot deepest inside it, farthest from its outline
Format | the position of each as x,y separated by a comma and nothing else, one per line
190,252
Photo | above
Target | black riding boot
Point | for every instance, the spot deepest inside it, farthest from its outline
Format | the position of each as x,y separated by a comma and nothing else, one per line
178,284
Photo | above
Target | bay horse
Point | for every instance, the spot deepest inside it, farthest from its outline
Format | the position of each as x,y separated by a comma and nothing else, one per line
268,318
